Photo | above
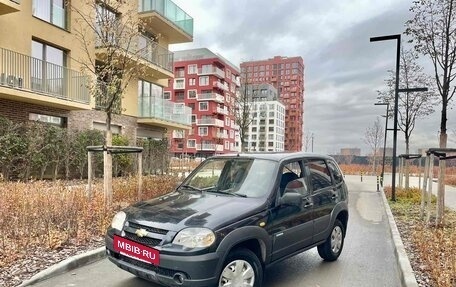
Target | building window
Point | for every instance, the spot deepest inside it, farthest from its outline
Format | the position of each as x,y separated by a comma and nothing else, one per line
179,83
202,131
179,96
192,69
203,106
231,134
48,73
204,81
193,119
56,121
167,95
149,98
191,81
191,94
227,145
191,143
180,72
52,11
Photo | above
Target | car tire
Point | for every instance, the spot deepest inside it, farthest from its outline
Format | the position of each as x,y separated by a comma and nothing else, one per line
332,247
245,260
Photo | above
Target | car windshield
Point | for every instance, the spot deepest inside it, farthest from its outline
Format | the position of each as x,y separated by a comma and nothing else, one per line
237,176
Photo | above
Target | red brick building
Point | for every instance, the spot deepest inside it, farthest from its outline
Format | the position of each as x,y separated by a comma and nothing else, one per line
207,83
286,74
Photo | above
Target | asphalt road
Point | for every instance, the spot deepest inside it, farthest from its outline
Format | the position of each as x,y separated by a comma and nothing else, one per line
367,259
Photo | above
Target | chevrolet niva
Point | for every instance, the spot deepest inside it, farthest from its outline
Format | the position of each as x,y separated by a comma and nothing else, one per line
231,217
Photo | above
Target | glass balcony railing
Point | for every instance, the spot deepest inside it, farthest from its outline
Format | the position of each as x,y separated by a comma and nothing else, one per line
139,46
153,107
170,11
24,72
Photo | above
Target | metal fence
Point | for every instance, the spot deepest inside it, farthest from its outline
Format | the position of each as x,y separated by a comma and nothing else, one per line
20,71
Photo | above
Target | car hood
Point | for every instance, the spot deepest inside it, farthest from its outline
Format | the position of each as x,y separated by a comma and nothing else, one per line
178,210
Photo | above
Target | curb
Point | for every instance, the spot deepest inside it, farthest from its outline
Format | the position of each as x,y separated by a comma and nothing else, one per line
405,268
67,265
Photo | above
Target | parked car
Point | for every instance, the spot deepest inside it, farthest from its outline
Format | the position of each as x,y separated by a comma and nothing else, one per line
231,217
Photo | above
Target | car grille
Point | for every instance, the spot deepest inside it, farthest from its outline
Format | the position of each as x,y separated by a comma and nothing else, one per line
159,270
149,229
143,240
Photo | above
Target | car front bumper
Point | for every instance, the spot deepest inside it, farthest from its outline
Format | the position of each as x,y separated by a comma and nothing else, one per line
197,270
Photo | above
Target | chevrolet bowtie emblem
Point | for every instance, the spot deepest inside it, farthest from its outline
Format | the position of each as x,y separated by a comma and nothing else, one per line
141,232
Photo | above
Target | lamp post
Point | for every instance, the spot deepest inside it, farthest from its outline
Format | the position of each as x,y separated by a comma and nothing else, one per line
396,37
384,141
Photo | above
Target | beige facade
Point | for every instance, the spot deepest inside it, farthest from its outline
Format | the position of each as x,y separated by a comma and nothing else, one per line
42,56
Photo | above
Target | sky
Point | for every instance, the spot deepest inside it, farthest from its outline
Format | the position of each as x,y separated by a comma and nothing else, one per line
343,70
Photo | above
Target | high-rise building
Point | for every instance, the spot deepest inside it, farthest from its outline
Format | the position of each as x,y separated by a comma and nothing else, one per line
41,60
286,74
267,129
207,83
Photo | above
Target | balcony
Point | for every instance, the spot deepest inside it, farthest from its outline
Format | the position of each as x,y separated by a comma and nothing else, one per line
209,147
220,135
222,111
178,134
212,71
210,122
211,97
9,6
28,79
222,86
163,113
179,84
157,59
167,18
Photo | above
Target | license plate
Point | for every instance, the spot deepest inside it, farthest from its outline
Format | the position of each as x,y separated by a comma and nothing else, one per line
136,250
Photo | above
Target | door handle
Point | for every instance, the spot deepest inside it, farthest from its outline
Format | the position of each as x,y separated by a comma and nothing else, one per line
308,204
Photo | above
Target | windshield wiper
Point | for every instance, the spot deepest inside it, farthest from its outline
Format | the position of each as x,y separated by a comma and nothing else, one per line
226,192
190,187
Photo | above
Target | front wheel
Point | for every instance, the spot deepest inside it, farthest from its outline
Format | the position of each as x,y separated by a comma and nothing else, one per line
332,247
241,268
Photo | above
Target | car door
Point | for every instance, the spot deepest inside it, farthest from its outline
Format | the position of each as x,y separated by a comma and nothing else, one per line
324,196
291,225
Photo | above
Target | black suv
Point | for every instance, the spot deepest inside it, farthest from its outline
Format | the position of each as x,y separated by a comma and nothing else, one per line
231,217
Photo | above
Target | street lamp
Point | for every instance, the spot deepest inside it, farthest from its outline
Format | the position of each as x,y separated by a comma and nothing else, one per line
396,37
384,141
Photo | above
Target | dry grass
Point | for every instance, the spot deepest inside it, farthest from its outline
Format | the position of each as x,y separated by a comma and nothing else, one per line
432,250
54,215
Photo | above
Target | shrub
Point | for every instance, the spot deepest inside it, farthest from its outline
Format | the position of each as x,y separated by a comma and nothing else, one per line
54,215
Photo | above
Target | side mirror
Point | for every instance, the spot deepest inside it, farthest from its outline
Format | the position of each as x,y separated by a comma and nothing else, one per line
291,198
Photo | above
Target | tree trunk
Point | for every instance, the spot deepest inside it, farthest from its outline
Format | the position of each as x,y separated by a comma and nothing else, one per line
441,183
107,168
407,164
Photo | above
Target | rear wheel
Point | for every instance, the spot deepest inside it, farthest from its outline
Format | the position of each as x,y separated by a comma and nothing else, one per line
332,247
241,268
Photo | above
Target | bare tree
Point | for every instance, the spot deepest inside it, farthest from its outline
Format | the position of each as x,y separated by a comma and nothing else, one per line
109,33
433,32
242,111
374,138
411,106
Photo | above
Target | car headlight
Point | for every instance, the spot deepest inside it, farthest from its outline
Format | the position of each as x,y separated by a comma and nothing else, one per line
195,237
118,220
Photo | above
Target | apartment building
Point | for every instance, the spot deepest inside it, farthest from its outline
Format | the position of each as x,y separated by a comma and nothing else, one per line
41,60
267,129
286,74
207,83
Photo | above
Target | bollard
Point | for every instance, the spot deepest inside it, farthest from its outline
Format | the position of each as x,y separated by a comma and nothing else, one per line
361,176
378,183
381,181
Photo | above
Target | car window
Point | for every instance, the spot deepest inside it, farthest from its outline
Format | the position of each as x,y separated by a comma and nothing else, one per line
319,174
290,172
337,174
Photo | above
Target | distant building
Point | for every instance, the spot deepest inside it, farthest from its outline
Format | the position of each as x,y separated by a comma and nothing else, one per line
267,130
286,74
350,151
207,83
